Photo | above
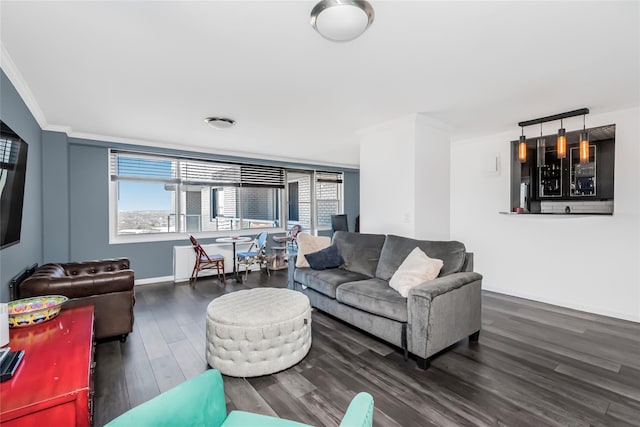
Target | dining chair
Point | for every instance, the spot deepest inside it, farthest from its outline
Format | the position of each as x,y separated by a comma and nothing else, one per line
291,238
339,223
205,261
256,254
293,234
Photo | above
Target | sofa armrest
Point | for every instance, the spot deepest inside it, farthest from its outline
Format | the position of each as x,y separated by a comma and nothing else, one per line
441,285
78,286
292,268
197,401
360,412
443,311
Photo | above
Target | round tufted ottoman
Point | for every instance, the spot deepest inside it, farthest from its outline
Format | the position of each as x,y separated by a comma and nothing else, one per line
258,331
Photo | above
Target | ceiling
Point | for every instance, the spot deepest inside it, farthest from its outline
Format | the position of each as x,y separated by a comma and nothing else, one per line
150,72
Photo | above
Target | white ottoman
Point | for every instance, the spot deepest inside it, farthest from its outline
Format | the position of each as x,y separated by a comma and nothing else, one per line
258,331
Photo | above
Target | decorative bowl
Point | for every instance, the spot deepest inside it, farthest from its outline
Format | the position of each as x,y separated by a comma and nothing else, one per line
31,311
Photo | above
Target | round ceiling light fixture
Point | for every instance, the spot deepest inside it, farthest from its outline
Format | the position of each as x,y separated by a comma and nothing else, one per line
341,20
219,122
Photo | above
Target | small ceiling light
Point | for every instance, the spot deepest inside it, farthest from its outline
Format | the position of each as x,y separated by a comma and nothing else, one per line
584,143
522,148
341,20
220,122
561,147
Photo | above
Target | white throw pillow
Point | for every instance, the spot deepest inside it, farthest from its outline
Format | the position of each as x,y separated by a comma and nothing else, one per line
308,244
417,268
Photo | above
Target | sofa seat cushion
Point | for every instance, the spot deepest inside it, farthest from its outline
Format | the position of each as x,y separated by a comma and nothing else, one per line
374,296
325,281
360,251
396,249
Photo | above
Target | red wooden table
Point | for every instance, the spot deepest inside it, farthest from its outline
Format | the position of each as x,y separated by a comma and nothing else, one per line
54,383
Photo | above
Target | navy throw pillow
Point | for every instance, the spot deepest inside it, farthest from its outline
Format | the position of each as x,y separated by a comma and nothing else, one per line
326,258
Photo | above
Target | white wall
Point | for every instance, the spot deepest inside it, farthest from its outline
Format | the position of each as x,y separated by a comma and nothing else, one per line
590,263
404,178
387,178
432,186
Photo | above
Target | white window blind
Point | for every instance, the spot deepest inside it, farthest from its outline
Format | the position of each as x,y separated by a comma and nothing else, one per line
148,167
322,176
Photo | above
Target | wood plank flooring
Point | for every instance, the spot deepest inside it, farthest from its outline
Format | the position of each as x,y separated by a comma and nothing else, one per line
535,365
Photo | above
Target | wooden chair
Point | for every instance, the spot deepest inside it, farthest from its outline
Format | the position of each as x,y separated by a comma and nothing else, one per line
205,262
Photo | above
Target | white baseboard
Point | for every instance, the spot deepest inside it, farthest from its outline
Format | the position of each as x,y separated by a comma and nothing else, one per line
153,280
567,304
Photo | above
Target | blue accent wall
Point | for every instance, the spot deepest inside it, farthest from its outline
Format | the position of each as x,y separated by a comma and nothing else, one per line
55,197
14,112
351,188
89,217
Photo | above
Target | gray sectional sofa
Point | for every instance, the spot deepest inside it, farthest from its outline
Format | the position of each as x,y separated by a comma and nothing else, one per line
436,314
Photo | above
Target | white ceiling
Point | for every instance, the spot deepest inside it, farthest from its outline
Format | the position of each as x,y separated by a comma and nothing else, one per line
150,72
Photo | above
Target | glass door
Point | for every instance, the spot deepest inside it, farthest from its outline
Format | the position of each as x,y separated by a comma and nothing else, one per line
299,197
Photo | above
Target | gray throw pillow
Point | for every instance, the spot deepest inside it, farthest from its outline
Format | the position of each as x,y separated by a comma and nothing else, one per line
326,258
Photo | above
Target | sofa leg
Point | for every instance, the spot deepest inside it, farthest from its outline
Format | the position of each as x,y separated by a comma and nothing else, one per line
123,338
474,336
403,340
423,363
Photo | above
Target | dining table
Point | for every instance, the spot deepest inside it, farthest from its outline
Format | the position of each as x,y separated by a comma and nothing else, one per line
234,240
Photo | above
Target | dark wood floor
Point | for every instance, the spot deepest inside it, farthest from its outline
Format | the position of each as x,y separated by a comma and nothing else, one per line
535,365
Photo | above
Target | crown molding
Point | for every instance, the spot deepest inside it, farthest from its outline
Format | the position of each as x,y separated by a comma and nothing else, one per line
295,161
15,77
58,128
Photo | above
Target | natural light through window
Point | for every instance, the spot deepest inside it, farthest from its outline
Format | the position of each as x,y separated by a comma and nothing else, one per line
162,195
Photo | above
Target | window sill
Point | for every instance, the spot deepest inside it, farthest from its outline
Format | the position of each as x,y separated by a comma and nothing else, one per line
174,237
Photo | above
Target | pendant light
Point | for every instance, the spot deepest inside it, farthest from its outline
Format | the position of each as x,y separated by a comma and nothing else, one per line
522,148
541,148
561,147
584,143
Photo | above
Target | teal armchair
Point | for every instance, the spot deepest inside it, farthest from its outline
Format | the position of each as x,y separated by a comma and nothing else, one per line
200,402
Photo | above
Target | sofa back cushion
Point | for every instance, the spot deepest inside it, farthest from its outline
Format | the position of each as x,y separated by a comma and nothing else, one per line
308,244
360,251
397,248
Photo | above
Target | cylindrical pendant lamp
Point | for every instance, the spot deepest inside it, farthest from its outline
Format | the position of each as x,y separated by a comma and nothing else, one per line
584,143
522,148
561,147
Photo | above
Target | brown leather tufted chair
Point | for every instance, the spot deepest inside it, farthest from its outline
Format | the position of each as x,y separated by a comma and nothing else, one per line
107,284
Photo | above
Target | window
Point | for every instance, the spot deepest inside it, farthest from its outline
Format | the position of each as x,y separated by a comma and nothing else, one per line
157,194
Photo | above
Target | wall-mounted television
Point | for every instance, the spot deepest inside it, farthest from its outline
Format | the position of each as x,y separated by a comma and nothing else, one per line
13,168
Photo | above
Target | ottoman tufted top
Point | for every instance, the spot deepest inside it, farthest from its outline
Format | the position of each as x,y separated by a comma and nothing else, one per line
257,307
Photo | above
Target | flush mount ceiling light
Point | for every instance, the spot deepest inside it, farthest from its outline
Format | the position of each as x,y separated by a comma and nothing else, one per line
219,122
341,20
